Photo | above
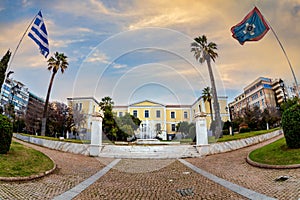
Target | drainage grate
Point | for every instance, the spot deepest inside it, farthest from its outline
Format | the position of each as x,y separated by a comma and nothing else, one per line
282,178
186,192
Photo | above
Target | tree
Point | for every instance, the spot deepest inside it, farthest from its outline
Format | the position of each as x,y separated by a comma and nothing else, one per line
289,103
57,117
3,67
204,51
206,95
59,61
109,125
183,127
106,102
291,126
6,133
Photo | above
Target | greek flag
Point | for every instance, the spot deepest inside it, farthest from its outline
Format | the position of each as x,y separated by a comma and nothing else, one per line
39,35
252,28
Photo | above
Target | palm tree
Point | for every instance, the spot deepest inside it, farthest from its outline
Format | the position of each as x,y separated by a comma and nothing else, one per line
206,95
106,102
59,61
204,51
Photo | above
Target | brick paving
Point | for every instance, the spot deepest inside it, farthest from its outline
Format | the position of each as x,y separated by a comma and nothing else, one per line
71,170
232,166
154,179
155,184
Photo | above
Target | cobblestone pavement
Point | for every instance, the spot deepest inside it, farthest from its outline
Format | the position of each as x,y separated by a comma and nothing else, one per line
71,170
163,183
155,179
232,166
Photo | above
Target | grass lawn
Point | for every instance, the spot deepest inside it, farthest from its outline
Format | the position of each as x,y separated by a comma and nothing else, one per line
57,139
245,135
23,161
276,153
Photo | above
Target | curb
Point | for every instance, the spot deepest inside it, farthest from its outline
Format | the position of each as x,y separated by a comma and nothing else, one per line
31,177
267,166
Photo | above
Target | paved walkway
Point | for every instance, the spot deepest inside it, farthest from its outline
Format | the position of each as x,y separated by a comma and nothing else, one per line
92,178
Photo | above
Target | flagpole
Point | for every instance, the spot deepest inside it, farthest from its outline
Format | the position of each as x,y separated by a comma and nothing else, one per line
20,42
286,56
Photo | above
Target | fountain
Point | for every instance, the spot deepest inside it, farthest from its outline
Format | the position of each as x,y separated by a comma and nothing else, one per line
147,134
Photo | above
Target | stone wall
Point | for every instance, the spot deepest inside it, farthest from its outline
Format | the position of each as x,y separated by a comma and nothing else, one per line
235,144
160,151
57,145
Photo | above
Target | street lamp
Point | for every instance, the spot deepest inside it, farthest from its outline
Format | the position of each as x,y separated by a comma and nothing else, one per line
281,83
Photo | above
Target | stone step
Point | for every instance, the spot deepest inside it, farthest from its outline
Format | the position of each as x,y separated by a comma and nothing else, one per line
168,151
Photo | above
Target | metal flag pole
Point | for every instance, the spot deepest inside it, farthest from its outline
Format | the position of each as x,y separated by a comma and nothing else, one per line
20,42
286,56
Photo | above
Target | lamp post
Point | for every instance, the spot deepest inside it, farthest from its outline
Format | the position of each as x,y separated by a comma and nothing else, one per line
281,83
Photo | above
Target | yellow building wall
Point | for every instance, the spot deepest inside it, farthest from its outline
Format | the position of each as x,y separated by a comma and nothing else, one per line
152,113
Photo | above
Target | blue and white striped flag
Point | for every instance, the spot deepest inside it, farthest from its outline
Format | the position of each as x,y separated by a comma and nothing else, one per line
39,35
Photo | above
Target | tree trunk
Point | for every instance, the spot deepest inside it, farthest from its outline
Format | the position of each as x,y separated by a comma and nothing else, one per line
216,106
211,112
46,105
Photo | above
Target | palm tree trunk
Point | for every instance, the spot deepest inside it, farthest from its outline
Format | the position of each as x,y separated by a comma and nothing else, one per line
211,112
43,131
216,106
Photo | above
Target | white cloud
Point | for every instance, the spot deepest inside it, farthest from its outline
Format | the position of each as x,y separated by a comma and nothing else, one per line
98,56
119,66
64,43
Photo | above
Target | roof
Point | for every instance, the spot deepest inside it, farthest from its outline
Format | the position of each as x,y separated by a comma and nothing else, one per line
150,101
82,98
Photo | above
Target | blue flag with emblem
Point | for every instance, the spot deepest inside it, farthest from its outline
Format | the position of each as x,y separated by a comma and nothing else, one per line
39,35
252,28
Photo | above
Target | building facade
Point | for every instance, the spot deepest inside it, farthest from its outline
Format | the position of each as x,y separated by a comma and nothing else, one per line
15,93
34,113
154,116
85,106
264,93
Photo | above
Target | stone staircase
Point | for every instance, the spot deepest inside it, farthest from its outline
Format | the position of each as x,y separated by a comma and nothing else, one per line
149,151
190,152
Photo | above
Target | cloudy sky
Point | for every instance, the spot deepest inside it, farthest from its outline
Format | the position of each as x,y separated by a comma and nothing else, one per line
133,50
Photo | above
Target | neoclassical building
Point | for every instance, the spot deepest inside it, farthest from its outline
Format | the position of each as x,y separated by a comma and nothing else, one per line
155,115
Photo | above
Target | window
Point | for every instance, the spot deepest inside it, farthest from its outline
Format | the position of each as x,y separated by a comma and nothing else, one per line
185,115
172,115
135,113
158,114
173,126
256,104
78,106
158,127
146,113
120,114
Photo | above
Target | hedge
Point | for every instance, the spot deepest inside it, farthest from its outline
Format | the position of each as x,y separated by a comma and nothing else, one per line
6,132
291,126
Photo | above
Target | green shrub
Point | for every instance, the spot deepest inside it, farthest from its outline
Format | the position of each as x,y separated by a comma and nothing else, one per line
5,134
244,130
225,132
291,126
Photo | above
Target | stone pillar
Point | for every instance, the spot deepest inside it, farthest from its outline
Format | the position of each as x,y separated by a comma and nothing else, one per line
96,135
201,130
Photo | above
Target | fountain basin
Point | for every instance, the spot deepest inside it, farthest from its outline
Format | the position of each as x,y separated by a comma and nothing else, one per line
154,142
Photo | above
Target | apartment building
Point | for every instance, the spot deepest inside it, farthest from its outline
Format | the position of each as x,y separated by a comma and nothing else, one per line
263,92
15,93
34,113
